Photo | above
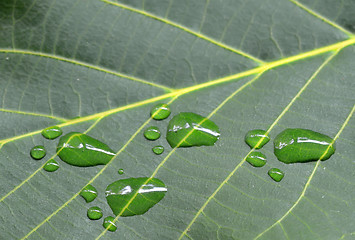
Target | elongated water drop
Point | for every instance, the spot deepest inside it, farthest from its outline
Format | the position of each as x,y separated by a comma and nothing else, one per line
81,150
158,150
52,132
256,159
89,193
51,166
145,193
94,213
253,137
38,152
160,111
302,145
276,174
152,133
108,223
191,129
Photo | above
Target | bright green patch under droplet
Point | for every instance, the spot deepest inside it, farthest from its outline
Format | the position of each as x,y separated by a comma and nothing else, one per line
52,132
108,223
200,130
158,150
82,150
120,171
253,137
89,193
38,152
302,145
51,166
256,159
152,133
160,111
276,174
119,193
94,213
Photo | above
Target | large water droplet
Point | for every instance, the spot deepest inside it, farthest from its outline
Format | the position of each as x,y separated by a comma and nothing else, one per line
81,150
152,133
146,193
160,111
108,223
94,213
276,174
257,159
191,129
38,152
52,132
254,136
51,166
158,150
89,193
302,145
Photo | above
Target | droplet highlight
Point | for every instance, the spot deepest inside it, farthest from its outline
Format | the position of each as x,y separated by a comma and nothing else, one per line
89,193
51,166
276,174
190,129
38,152
152,133
253,137
302,145
160,111
94,213
256,159
108,223
145,193
158,150
81,150
52,132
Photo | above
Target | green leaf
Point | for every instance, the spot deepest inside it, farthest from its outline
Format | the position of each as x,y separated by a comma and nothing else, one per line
99,66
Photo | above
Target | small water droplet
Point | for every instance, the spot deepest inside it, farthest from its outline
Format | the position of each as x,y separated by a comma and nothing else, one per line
160,111
158,150
94,213
119,193
52,132
256,159
89,193
7,58
120,171
152,133
38,152
51,166
302,145
108,223
78,79
323,196
276,174
253,137
191,129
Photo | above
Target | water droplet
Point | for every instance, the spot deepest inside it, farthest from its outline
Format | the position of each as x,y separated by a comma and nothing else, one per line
120,171
152,133
276,174
158,150
51,166
254,136
191,129
119,193
160,111
108,223
302,145
81,150
256,159
52,132
89,193
38,152
7,58
94,213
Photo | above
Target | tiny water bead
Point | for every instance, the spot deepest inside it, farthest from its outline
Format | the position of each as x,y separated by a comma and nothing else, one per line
158,150
256,159
89,193
144,191
94,213
160,111
152,133
81,150
38,152
108,223
120,171
51,166
191,129
302,145
52,132
253,137
276,174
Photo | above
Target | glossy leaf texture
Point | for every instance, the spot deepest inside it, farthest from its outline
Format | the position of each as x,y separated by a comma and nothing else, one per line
99,67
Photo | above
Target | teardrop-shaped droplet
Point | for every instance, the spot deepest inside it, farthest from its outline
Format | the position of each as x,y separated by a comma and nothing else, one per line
94,213
188,129
89,193
256,159
108,223
152,133
158,150
52,132
276,174
81,150
160,111
145,193
253,137
38,152
51,166
302,145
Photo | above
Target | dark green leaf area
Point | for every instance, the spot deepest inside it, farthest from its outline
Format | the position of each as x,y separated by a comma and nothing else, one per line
81,150
256,138
188,129
145,193
302,145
